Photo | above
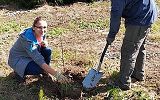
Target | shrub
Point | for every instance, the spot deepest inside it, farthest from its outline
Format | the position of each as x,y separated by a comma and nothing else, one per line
28,4
25,4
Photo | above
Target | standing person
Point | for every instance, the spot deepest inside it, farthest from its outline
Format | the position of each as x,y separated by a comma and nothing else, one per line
139,15
30,54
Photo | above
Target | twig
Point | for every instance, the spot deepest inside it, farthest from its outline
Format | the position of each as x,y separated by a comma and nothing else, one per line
62,57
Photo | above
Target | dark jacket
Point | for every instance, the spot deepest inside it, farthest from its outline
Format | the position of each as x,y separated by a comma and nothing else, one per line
135,12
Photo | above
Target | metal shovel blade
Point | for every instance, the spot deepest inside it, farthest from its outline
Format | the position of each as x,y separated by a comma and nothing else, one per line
94,76
92,79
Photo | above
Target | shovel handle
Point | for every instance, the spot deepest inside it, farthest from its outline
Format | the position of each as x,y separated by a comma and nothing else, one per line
102,56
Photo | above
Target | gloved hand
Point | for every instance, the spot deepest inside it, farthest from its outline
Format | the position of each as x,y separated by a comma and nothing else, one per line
44,43
109,40
60,77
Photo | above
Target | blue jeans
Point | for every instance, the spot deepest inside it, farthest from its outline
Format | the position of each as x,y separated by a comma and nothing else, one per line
33,68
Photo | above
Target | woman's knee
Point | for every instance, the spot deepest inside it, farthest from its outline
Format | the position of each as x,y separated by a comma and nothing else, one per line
49,51
46,51
33,69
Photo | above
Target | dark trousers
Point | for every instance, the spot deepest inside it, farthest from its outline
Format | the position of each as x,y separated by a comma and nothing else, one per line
33,68
133,53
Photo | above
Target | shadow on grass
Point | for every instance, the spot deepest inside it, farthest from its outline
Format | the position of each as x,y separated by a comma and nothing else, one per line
103,87
100,88
43,88
46,88
11,89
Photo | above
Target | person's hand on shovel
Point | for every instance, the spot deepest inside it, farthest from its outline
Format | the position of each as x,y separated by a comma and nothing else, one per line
109,40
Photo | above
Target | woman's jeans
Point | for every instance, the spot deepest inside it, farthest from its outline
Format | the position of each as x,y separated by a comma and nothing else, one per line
33,68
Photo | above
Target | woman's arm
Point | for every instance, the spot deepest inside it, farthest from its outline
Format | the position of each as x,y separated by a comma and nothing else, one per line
48,69
54,73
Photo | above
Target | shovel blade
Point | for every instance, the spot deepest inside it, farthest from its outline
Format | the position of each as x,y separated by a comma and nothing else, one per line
92,78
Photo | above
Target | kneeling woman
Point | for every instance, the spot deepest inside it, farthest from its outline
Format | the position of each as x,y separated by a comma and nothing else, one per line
30,54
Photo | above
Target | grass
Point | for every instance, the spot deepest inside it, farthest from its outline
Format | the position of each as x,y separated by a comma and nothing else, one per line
136,93
95,24
11,90
65,87
155,32
10,26
141,94
9,85
115,94
56,31
70,55
41,94
57,56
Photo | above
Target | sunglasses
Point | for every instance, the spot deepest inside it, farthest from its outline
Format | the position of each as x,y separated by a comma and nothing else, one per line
41,27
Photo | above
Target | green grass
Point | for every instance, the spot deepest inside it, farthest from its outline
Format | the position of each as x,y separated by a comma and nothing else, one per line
65,87
136,93
96,24
67,55
57,31
155,32
141,94
41,94
10,26
115,94
70,55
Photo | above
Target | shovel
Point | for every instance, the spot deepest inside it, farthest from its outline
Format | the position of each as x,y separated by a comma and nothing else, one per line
94,75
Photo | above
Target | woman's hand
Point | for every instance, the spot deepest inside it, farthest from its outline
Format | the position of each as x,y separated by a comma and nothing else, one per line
55,74
61,78
44,43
